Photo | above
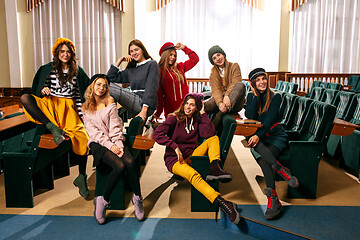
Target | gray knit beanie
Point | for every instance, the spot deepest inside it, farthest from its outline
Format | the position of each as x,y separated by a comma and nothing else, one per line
213,50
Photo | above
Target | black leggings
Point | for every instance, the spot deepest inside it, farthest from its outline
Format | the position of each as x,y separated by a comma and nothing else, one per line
29,103
268,153
119,166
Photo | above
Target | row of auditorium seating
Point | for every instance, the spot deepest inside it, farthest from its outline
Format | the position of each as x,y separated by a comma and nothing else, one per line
288,87
293,110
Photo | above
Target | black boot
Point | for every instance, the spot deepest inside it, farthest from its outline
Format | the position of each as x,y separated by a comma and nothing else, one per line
285,173
274,207
217,173
229,208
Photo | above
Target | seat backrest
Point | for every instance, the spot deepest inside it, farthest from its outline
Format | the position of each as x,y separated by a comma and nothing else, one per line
328,96
293,88
227,134
247,86
336,86
323,84
353,113
286,105
135,128
298,113
316,93
353,80
283,86
318,122
278,84
344,99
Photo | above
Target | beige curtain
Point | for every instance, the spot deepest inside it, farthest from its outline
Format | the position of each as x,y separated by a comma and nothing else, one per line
31,4
162,3
297,3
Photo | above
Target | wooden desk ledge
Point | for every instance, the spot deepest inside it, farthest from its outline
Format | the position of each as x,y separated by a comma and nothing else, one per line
47,141
343,128
10,110
143,142
246,127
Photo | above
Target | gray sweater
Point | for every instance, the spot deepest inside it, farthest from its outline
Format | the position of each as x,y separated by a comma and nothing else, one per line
144,80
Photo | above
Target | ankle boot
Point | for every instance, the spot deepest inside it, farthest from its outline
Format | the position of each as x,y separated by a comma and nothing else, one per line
285,173
139,208
80,182
217,173
229,208
58,133
274,207
100,209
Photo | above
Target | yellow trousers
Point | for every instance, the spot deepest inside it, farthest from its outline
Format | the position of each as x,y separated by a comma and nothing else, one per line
62,112
210,146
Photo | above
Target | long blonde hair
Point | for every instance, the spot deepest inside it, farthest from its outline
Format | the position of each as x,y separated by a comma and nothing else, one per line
90,103
164,64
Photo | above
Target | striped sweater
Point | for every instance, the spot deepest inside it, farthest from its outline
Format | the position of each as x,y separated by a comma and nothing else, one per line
67,90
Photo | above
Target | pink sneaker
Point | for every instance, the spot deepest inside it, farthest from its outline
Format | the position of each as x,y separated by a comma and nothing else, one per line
139,209
100,209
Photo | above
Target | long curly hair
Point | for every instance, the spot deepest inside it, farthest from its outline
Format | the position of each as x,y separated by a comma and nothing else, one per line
180,113
72,64
140,45
90,104
269,95
164,64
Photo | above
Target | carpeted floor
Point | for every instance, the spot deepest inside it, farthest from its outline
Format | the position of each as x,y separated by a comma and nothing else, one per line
62,214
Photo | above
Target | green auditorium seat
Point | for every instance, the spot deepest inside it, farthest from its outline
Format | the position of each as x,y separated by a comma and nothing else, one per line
293,87
27,166
102,170
343,101
323,84
335,86
202,165
247,86
350,145
328,96
354,81
297,115
316,93
314,84
283,86
304,152
287,102
278,85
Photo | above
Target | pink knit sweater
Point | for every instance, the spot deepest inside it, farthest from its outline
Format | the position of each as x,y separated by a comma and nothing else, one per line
105,127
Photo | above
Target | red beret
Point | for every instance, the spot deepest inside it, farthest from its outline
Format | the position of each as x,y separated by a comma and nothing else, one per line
166,46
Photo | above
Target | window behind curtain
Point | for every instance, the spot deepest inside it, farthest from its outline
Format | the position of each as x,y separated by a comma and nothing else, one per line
93,25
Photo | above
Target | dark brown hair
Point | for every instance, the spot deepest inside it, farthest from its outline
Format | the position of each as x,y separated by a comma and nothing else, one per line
140,45
72,64
180,113
269,95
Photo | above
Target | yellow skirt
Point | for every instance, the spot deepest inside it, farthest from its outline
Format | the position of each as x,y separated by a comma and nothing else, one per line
62,112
